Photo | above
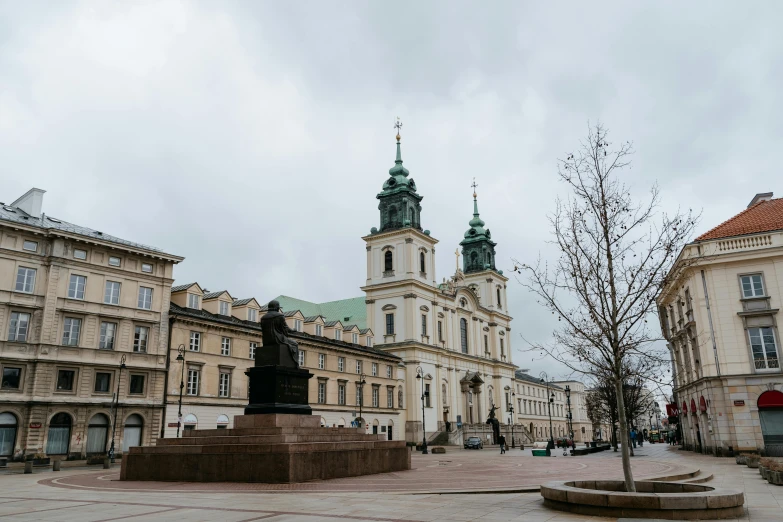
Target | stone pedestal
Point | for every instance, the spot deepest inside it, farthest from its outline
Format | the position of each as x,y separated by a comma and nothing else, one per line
278,389
270,448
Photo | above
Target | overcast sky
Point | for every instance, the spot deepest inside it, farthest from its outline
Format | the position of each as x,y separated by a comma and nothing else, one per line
252,137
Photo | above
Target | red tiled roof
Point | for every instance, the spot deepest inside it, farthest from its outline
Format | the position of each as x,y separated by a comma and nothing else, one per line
761,217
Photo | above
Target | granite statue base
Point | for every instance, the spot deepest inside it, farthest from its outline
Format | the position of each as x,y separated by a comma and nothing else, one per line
271,448
278,389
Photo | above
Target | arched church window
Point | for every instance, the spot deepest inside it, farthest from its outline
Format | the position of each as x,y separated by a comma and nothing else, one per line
443,393
489,258
473,258
421,262
498,291
463,330
388,261
392,215
399,397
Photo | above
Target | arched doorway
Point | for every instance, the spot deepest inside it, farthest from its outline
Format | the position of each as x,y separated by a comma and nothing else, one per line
189,422
341,423
8,427
59,437
375,425
389,429
97,434
132,434
222,422
770,406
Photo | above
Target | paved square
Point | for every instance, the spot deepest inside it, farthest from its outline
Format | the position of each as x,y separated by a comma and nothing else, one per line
502,488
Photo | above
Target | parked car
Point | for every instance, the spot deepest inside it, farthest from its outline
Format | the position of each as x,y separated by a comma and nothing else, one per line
474,443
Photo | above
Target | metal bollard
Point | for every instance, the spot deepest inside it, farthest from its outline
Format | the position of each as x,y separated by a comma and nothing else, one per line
107,463
28,466
56,465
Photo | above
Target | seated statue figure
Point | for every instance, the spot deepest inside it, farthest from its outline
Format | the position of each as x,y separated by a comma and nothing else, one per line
275,332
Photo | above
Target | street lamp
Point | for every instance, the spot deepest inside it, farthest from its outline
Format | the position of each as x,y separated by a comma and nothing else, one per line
181,359
569,418
420,376
115,407
511,409
545,380
362,382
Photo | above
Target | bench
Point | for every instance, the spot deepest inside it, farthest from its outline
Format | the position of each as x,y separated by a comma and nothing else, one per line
539,453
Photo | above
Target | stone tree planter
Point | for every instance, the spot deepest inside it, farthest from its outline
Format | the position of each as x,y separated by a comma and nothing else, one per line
741,459
753,462
775,477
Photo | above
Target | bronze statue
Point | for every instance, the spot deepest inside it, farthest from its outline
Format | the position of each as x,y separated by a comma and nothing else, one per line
492,411
275,331
492,421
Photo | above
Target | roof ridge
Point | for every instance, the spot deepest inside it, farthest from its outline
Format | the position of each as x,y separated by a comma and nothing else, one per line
755,208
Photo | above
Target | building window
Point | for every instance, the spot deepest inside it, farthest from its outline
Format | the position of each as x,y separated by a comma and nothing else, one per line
194,376
146,267
321,393
252,314
764,348
388,372
76,287
20,324
321,361
388,262
145,298
355,338
341,364
358,367
359,401
369,342
225,346
252,353
298,325
338,334
375,399
390,397
141,336
102,382
193,301
498,292
399,398
65,379
423,325
12,378
374,369
752,286
463,332
136,385
114,261
25,280
389,324
319,330
502,350
108,331
80,254
341,394
302,355
195,341
223,308
421,262
112,293
224,385
440,331
427,396
31,246
71,329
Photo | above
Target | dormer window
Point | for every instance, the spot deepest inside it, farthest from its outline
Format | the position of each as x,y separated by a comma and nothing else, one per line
223,308
338,334
298,325
355,338
193,302
369,342
252,314
319,330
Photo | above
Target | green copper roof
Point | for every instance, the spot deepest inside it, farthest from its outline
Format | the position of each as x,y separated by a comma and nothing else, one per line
476,232
398,180
347,311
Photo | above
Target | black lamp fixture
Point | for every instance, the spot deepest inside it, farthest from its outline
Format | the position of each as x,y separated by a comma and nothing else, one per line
181,359
569,418
362,382
116,406
545,381
420,377
513,420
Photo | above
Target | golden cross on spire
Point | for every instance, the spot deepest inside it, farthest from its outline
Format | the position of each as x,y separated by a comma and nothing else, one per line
398,126
474,185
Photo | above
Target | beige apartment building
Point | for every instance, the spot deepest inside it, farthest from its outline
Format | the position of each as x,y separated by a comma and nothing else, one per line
719,314
219,335
83,316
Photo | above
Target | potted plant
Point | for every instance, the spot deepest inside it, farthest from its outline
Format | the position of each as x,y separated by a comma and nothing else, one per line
752,460
39,459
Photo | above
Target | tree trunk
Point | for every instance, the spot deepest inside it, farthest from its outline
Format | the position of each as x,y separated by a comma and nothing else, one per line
630,487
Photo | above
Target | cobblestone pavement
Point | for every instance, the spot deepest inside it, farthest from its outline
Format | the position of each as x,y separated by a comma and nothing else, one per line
87,495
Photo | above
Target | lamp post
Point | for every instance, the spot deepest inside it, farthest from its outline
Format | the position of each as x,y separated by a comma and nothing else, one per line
362,382
513,420
551,397
115,407
420,376
569,417
181,359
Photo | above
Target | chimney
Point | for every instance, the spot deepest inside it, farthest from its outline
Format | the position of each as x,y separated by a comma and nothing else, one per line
758,198
31,202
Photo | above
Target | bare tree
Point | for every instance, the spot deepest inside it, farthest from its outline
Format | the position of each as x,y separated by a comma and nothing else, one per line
615,254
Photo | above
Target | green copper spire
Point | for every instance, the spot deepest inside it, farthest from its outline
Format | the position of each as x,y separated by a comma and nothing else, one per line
399,203
478,249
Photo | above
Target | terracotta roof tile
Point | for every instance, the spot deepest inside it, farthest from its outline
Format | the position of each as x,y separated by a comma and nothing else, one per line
765,216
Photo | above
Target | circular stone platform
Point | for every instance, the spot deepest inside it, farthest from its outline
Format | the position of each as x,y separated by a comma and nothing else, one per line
457,471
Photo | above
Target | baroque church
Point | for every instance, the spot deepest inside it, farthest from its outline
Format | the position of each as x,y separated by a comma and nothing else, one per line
454,337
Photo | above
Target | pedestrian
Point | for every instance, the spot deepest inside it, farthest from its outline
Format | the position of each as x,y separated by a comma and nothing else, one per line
502,441
633,437
641,439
